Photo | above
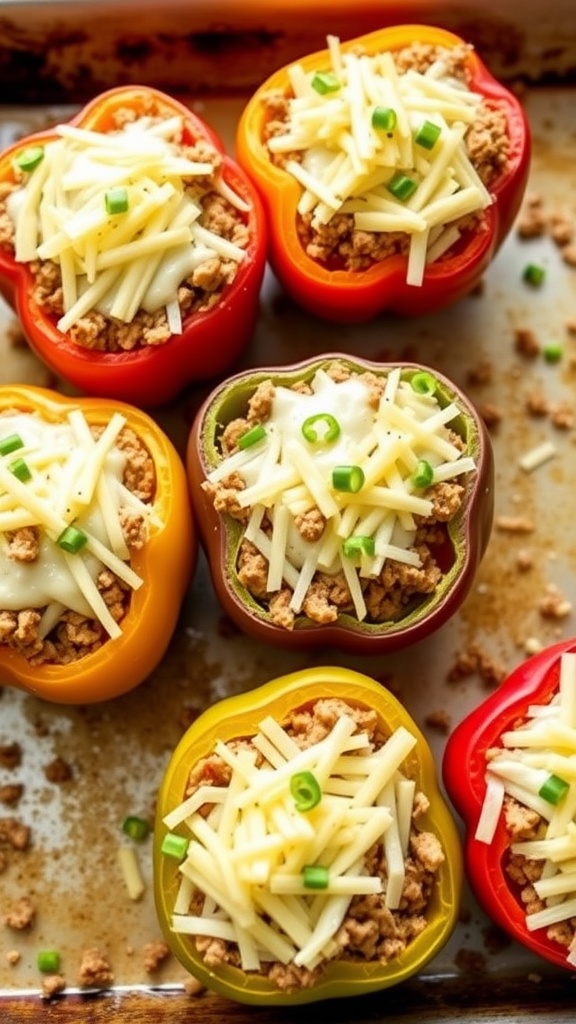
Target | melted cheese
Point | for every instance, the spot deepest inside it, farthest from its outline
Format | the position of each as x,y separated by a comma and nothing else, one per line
117,263
75,479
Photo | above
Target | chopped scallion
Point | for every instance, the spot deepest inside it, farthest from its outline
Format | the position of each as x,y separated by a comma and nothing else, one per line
533,274
358,545
315,876
174,845
423,474
423,383
428,134
384,118
21,470
48,961
10,444
324,82
252,436
306,791
72,539
116,200
330,428
348,478
30,157
553,789
553,352
401,186
136,828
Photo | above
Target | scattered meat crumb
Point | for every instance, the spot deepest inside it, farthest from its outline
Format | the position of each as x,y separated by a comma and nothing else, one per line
554,605
514,524
14,833
475,661
440,720
21,916
155,953
10,755
13,957
53,985
58,770
524,560
95,970
193,987
11,793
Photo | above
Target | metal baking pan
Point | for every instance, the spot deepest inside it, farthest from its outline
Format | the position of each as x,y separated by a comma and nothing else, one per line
117,751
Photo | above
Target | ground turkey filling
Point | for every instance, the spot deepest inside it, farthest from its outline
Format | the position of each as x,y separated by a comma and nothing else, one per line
198,293
75,635
338,243
523,824
371,931
397,589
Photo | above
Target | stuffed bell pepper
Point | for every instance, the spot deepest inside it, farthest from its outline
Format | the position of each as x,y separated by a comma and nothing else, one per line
340,501
302,848
132,247
391,166
96,545
517,797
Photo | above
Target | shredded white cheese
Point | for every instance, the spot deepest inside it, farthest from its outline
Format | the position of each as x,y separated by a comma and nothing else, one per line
118,261
75,479
285,475
544,745
347,163
249,844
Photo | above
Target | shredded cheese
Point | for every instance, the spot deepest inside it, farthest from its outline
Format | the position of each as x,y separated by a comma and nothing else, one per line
544,745
75,479
346,163
117,262
246,856
286,476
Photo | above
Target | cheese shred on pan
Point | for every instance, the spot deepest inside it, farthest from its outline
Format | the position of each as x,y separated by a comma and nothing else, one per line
386,147
277,879
535,765
71,481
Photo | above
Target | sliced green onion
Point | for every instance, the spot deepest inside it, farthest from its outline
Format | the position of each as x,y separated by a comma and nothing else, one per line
20,470
347,478
401,186
252,436
116,200
553,352
48,961
136,828
330,432
358,545
423,474
10,444
533,274
384,118
30,157
174,845
423,383
306,791
553,789
324,82
428,134
315,876
72,539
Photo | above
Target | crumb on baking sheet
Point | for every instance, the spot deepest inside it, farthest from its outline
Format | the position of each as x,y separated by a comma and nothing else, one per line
53,985
21,914
474,660
95,970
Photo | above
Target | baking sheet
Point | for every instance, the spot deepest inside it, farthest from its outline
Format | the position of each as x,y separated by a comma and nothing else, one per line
117,751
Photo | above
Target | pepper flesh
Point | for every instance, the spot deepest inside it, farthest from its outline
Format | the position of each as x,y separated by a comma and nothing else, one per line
169,553
210,341
533,682
356,296
239,716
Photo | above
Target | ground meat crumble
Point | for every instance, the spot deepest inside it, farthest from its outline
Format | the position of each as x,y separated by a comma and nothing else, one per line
76,635
370,930
338,243
197,293
390,596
